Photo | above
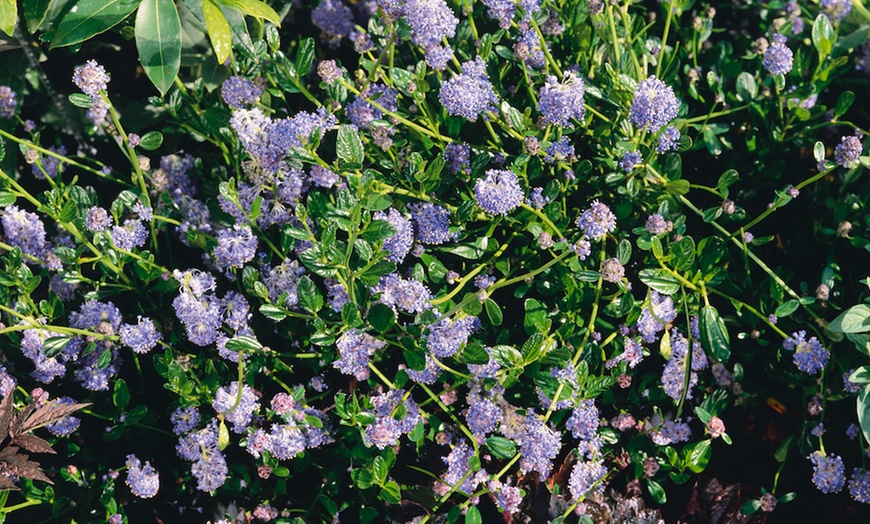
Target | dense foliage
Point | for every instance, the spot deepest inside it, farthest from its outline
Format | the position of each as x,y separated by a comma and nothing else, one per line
433,260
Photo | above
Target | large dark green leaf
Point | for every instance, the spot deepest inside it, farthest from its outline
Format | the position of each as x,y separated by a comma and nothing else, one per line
34,12
89,18
714,334
660,280
863,406
158,40
856,319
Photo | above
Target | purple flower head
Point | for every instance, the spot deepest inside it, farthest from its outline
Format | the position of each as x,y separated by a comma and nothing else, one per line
283,281
144,481
559,151
23,229
539,445
837,9
847,152
362,113
458,469
561,102
597,221
399,244
48,166
323,177
91,78
355,349
237,410
502,11
407,295
236,247
809,355
859,485
184,420
671,432
654,105
470,94
674,374
586,477
458,158
669,140
8,102
429,374
656,224
528,47
239,92
778,59
499,193
431,222
612,270
507,498
446,337
828,472
142,337
132,234
583,422
653,318
632,354
431,21
333,18
386,430
483,417
629,160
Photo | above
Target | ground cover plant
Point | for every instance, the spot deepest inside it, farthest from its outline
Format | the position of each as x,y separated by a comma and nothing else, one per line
434,261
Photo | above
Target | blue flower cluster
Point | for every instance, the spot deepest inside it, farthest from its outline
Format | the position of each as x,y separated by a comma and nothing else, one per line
355,349
653,106
470,94
597,221
561,102
778,59
809,355
499,193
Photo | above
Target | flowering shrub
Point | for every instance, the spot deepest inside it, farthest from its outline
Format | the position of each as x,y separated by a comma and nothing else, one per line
429,260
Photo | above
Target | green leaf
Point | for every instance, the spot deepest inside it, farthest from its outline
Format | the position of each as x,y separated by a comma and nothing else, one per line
501,447
819,152
507,356
860,375
158,40
378,230
750,507
714,334
471,251
623,251
381,317
309,296
472,515
304,57
34,12
223,435
856,319
254,8
121,395
244,343
659,280
746,87
6,198
493,311
678,187
536,316
81,100
863,407
348,146
844,102
823,35
90,18
54,345
151,140
698,455
219,31
104,359
8,16
273,312
683,252
391,493
656,491
726,180
787,308
380,470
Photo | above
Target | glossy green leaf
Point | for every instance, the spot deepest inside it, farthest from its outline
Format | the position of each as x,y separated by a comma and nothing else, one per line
54,345
501,447
656,491
121,395
863,407
348,145
860,375
81,100
659,280
493,311
746,87
90,18
714,334
856,319
219,31
151,140
34,13
8,16
787,308
245,343
158,40
309,296
844,102
823,35
472,516
254,8
698,455
304,57
381,317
